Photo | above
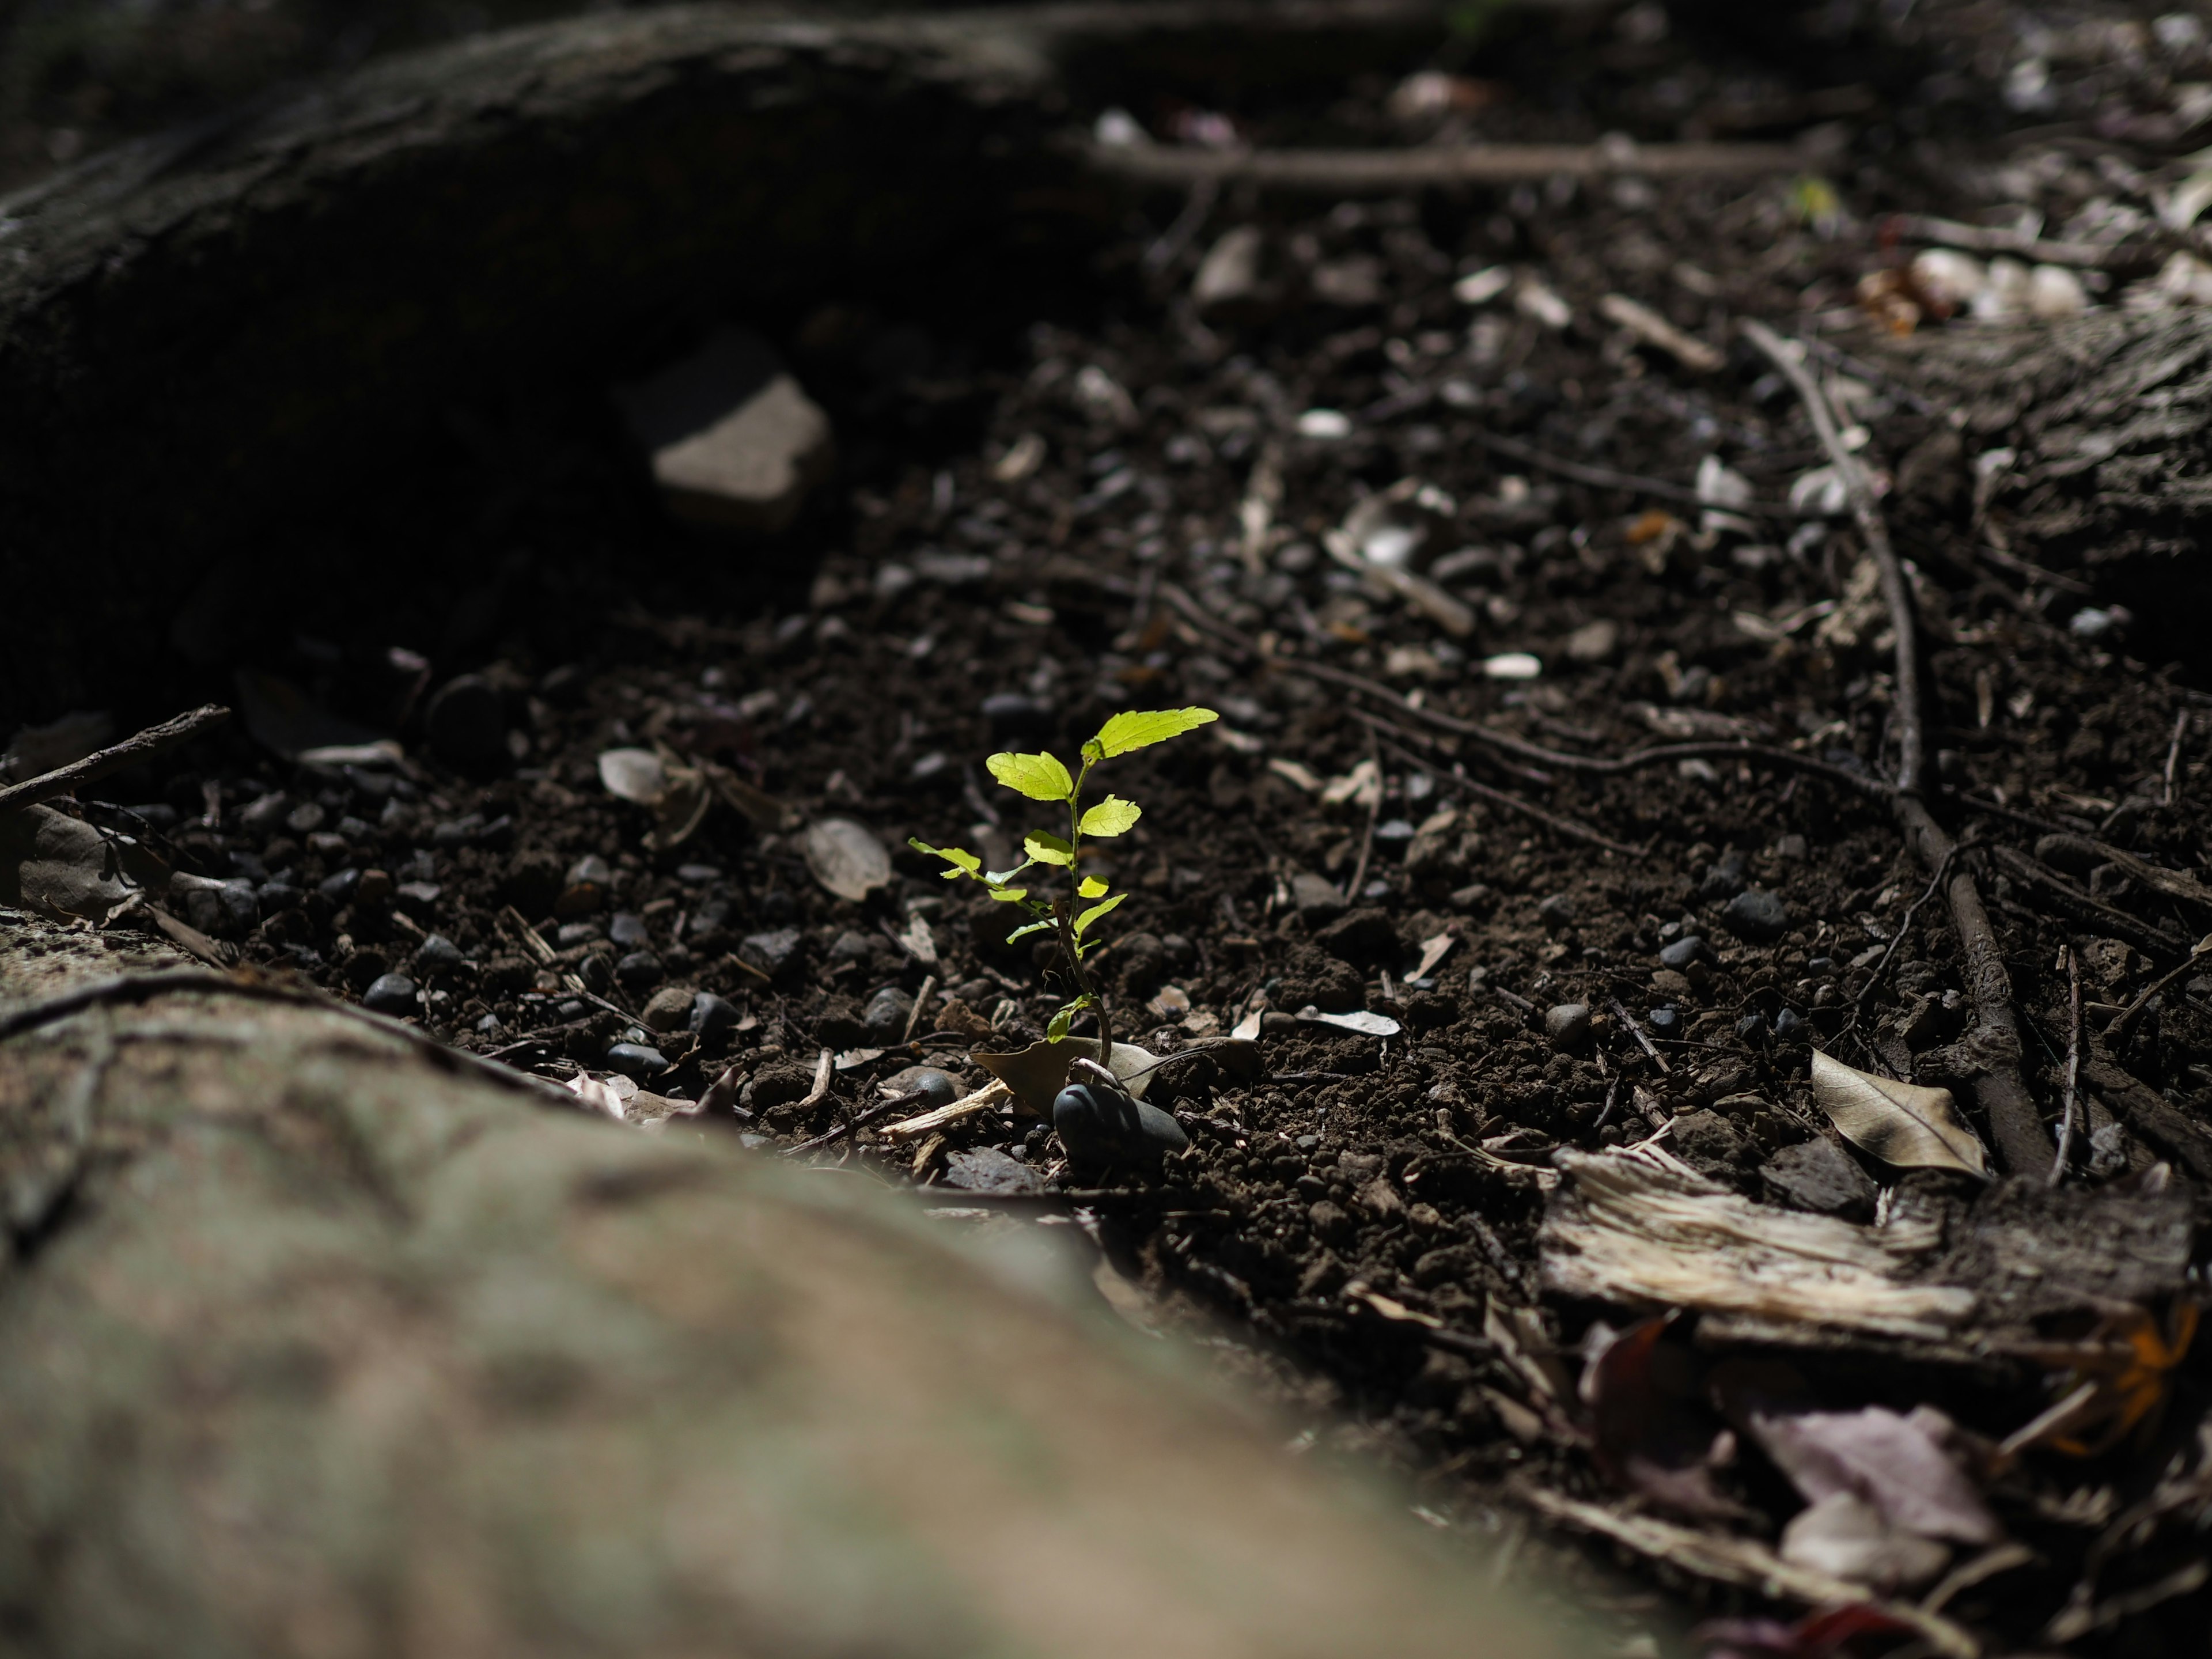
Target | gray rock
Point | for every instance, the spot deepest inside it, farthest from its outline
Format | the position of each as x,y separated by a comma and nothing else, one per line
591,870
569,934
417,898
390,993
1818,1175
1104,1128
1724,878
1789,1026
886,1015
1710,1144
1568,1026
1316,900
626,929
636,1061
712,1018
1557,911
466,724
668,1009
1365,938
773,953
733,440
1665,1021
1757,917
1682,952
935,1087
987,1169
436,953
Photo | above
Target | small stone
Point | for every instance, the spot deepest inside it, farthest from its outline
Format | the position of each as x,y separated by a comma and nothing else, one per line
1682,952
1666,982
569,934
1314,899
375,889
1276,1023
466,724
305,818
1594,641
773,953
935,1087
1101,1127
239,904
1751,1027
668,1009
712,1017
419,899
1793,848
1757,917
489,1026
437,954
1665,1021
1710,1144
1789,1026
988,1169
1724,878
339,889
1556,912
734,442
591,870
697,875
1013,715
852,945
635,1059
1818,1175
1568,1026
1821,967
1332,1224
639,970
886,1015
390,993
626,929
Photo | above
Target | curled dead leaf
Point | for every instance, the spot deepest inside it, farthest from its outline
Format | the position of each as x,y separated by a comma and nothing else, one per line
634,774
846,858
1901,1123
1039,1071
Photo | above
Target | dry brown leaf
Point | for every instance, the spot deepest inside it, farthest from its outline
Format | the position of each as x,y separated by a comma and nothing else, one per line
846,858
1901,1123
1039,1071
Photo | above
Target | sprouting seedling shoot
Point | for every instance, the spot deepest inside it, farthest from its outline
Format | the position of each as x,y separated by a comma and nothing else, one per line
1070,915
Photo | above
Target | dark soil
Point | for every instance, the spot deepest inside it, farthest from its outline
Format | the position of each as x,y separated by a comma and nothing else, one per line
936,607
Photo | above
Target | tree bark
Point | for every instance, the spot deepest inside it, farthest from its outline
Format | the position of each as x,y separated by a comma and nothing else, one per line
322,1342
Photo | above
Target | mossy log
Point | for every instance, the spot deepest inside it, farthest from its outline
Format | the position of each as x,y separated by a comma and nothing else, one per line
322,1342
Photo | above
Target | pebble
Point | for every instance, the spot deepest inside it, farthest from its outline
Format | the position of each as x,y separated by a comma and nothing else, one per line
375,889
734,442
467,725
1315,899
697,875
627,929
1568,1026
1665,1021
305,818
639,970
417,898
1724,878
279,895
1594,641
1559,911
1366,937
1789,1026
1751,1027
989,1169
935,1087
437,953
635,1059
886,1014
1759,917
339,889
569,934
1818,1175
390,993
1682,952
591,868
1821,967
773,953
1102,1127
261,815
713,1017
852,945
668,1009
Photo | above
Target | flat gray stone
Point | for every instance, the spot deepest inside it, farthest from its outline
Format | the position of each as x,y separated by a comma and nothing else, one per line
733,440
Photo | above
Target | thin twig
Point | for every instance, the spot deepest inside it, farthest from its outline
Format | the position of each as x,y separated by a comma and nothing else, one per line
1983,239
1641,1042
2173,753
859,1121
142,746
1511,803
1896,939
1505,743
1605,477
2127,1016
2015,1122
2073,1066
1386,171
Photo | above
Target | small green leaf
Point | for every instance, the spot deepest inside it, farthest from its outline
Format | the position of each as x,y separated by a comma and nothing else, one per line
1041,777
1139,729
1008,894
964,863
1093,887
1056,1028
1111,816
1083,922
1047,849
1024,930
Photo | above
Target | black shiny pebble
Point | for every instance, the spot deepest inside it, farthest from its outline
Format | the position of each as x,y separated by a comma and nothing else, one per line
1682,952
390,993
1752,1026
1101,1127
437,952
713,1015
1665,1022
639,970
1790,1025
636,1061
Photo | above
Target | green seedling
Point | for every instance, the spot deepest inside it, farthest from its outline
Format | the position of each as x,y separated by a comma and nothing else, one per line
1069,916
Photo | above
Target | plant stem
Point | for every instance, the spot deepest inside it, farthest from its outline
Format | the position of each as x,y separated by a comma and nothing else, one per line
1064,912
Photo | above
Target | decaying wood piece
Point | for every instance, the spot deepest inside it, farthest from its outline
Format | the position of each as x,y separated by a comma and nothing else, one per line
318,1346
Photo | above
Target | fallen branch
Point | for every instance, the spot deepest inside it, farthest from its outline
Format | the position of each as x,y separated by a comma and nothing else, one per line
1387,171
144,746
2089,912
2073,1064
2014,1123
